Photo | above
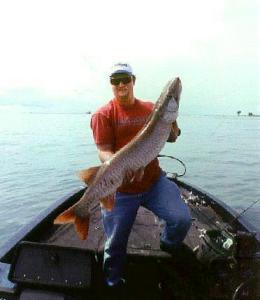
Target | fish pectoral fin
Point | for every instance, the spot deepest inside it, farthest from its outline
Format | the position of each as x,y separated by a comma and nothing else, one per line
108,202
88,175
82,226
68,216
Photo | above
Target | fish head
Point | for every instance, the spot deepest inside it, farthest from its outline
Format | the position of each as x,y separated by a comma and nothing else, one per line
168,102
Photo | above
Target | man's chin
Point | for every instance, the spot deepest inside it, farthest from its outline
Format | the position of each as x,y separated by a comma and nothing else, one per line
123,96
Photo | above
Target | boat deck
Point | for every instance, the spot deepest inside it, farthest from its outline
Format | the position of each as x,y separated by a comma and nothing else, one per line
145,235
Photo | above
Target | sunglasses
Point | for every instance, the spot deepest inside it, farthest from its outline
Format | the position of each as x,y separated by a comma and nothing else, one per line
124,80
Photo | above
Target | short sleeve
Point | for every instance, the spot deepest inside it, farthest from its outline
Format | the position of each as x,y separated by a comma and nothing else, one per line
102,129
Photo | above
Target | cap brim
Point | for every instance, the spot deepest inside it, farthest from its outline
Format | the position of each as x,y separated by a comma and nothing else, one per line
121,72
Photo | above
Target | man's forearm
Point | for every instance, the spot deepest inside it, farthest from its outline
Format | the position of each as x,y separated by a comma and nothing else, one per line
105,151
104,155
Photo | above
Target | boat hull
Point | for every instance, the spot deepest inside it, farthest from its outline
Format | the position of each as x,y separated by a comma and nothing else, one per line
224,249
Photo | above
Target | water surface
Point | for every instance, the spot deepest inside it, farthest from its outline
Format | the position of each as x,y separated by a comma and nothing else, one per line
41,153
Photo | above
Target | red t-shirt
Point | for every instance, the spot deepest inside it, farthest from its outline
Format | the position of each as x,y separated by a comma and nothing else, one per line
116,125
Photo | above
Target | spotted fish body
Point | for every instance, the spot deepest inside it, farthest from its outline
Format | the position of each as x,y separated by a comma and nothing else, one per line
138,153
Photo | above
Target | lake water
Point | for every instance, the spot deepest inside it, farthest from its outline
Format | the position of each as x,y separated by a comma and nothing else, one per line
41,153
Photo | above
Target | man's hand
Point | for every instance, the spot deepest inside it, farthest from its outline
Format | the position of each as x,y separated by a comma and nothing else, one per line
131,175
175,132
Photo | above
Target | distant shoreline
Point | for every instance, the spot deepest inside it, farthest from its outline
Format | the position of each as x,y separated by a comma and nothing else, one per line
250,116
59,113
89,113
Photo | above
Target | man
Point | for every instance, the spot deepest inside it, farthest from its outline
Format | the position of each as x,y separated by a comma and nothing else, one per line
114,125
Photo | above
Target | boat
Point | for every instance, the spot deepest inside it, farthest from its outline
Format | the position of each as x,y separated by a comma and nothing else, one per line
46,261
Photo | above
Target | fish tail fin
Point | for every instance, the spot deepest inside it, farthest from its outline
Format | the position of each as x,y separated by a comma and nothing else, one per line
81,224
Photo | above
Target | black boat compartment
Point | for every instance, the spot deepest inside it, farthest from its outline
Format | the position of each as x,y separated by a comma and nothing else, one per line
29,294
51,265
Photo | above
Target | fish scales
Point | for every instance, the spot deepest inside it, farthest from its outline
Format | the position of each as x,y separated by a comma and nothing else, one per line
150,146
141,150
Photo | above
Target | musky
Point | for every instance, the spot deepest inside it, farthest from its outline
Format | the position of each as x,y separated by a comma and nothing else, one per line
56,54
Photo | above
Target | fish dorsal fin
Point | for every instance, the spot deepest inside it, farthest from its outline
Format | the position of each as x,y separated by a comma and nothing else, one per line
88,175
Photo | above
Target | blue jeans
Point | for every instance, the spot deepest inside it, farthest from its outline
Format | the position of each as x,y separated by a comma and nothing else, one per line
164,200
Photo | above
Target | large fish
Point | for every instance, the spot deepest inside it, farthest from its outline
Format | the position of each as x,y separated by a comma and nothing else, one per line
103,181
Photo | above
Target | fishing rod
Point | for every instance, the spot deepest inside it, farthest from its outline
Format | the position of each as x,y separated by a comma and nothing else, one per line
235,218
244,210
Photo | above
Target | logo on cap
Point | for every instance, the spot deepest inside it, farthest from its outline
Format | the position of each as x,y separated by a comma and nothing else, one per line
121,68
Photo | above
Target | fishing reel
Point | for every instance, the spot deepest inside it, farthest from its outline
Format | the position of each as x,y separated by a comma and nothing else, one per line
217,245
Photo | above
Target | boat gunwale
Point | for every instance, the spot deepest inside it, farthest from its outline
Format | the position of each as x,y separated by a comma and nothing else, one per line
41,221
223,209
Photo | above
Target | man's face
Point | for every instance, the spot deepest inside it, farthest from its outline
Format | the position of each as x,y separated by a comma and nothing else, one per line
123,87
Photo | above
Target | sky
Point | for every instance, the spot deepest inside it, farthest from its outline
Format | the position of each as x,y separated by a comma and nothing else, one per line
57,54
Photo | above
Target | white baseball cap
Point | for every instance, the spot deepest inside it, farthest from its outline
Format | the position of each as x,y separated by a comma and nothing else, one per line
121,68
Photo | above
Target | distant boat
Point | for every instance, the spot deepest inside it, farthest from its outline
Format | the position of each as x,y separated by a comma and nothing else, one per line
88,112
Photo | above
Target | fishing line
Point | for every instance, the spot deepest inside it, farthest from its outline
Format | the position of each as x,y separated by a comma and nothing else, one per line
181,162
219,125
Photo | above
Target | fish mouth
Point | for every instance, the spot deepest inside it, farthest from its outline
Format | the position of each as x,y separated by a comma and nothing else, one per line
175,89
